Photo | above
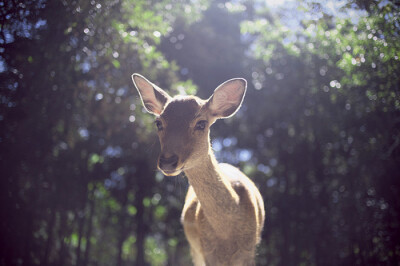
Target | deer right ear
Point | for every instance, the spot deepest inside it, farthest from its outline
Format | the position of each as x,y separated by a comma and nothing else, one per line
153,98
227,98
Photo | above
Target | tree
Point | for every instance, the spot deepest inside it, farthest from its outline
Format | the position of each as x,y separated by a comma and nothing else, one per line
76,174
318,131
327,151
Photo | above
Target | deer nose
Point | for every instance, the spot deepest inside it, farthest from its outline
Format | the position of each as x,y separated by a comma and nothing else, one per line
168,163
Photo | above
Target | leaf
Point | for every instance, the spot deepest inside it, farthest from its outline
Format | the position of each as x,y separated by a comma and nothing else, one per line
116,63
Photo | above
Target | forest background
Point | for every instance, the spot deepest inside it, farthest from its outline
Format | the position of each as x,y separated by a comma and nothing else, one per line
318,132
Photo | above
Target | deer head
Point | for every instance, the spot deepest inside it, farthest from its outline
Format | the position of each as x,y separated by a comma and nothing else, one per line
183,122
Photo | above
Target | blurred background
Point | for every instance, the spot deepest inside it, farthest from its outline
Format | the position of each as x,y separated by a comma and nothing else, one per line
319,130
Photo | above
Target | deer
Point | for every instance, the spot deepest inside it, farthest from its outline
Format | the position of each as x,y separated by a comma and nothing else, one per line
223,214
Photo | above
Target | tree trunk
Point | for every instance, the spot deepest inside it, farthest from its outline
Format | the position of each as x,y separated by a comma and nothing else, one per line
140,229
89,232
50,230
61,236
80,233
123,228
28,238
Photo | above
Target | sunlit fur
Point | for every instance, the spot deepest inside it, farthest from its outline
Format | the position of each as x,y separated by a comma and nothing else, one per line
179,136
223,215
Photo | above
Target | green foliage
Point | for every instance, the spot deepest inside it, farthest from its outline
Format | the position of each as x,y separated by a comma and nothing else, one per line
330,144
128,249
155,254
318,131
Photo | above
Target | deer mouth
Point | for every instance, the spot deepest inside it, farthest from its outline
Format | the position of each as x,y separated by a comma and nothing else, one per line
169,172
169,165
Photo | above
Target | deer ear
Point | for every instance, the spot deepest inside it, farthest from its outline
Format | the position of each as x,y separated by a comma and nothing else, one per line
153,97
227,98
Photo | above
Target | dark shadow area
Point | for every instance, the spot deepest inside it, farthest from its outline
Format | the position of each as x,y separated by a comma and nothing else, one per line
318,132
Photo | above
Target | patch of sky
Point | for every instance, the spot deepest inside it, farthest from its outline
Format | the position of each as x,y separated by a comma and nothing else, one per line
91,84
8,37
116,180
112,151
84,133
85,66
264,168
273,162
40,23
244,155
99,96
227,142
2,65
272,182
295,12
122,91
217,145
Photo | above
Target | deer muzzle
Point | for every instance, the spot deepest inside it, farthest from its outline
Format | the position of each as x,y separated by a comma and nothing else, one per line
168,164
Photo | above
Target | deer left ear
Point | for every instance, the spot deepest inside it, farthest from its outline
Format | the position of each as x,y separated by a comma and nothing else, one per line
153,97
227,98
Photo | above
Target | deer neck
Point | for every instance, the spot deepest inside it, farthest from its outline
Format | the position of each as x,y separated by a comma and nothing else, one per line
214,191
206,169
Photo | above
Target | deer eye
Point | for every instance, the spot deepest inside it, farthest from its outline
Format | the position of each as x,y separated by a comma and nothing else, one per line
201,125
159,125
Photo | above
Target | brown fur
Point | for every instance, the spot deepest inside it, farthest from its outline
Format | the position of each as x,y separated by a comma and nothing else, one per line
223,215
222,220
